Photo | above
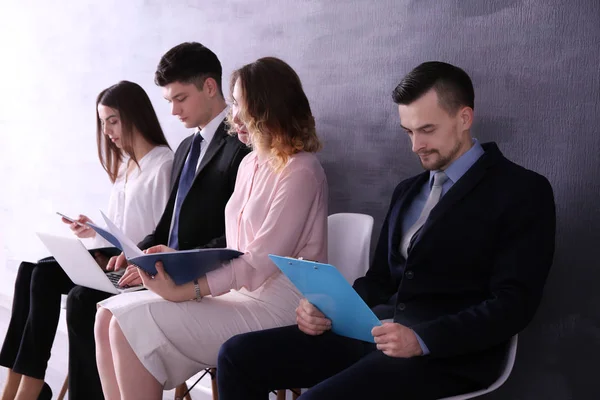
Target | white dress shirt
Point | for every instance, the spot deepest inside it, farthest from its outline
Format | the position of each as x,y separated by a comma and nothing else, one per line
208,132
137,201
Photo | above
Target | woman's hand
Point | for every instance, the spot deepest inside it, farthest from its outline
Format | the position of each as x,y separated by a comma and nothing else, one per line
79,228
161,248
163,285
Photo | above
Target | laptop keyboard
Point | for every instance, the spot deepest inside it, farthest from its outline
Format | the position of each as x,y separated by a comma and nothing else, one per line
114,279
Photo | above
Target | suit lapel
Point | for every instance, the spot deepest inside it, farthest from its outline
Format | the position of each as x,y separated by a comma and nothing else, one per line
178,164
215,144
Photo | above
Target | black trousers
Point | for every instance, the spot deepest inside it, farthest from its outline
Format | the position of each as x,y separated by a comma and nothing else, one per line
34,318
332,366
84,381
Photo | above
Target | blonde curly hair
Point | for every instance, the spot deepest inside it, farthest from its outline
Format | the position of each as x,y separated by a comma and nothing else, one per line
275,110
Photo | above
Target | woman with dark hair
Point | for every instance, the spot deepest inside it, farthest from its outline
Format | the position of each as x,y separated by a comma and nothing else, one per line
163,336
134,152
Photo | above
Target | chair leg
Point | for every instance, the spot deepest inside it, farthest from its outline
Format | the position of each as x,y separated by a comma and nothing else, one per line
63,390
296,393
281,394
180,390
213,383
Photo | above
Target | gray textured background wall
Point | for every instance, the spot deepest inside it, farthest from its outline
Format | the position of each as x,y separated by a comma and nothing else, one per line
535,65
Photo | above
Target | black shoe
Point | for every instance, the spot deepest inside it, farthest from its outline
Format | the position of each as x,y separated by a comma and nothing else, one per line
46,393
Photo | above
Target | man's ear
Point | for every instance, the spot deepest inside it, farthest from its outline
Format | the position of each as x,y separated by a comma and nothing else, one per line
211,87
465,116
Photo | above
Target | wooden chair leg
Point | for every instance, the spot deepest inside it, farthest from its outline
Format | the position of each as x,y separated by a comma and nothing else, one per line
63,390
213,383
281,394
180,390
296,393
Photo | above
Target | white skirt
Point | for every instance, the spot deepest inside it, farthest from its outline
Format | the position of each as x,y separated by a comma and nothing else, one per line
174,341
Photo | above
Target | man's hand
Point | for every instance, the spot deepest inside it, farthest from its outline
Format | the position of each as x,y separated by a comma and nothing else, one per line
396,340
310,320
116,263
131,277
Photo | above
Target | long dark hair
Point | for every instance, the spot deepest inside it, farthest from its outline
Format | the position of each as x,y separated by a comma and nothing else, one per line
135,112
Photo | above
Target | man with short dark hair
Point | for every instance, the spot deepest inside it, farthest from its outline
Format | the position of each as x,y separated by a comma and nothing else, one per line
459,269
204,172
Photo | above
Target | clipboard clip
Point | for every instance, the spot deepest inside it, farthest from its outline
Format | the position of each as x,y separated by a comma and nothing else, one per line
303,259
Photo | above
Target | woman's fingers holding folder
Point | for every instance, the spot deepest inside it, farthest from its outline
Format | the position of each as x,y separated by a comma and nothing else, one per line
310,320
159,249
163,285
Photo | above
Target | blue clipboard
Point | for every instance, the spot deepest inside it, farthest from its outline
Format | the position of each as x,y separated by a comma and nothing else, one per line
325,287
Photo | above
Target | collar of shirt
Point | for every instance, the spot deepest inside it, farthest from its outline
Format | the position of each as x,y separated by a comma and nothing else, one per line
208,132
459,167
262,158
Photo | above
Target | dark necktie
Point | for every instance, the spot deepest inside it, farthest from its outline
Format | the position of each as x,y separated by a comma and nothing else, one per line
188,173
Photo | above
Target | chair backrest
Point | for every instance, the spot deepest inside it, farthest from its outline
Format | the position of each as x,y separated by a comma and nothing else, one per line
508,366
349,238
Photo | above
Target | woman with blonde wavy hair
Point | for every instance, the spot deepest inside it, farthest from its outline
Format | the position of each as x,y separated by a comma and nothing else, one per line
154,340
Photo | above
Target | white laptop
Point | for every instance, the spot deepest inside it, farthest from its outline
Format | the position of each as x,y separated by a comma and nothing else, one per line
80,266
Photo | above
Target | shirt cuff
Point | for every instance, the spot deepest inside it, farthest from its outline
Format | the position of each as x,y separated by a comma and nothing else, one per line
422,344
220,280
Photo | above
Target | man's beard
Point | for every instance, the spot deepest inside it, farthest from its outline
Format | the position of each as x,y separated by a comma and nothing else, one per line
443,161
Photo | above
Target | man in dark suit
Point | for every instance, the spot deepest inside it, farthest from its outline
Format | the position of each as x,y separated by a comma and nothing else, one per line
459,269
203,178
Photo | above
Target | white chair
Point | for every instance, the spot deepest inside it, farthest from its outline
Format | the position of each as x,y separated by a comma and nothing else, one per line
508,366
348,249
349,243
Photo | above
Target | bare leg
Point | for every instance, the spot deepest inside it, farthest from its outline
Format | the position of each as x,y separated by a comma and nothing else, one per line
12,385
104,358
134,380
30,388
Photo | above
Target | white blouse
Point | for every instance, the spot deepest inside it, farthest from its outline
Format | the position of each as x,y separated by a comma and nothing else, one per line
137,201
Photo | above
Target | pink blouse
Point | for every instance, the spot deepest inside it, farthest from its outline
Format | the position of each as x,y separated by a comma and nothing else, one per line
269,212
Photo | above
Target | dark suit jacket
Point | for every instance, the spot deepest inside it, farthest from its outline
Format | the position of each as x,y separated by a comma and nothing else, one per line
474,276
202,216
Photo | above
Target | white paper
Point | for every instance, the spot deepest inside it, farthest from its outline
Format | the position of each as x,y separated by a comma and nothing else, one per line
129,248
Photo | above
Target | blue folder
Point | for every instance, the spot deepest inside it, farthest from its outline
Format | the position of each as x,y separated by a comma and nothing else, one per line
106,235
182,266
326,288
185,265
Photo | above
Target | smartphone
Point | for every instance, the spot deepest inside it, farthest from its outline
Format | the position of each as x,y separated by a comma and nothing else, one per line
71,219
